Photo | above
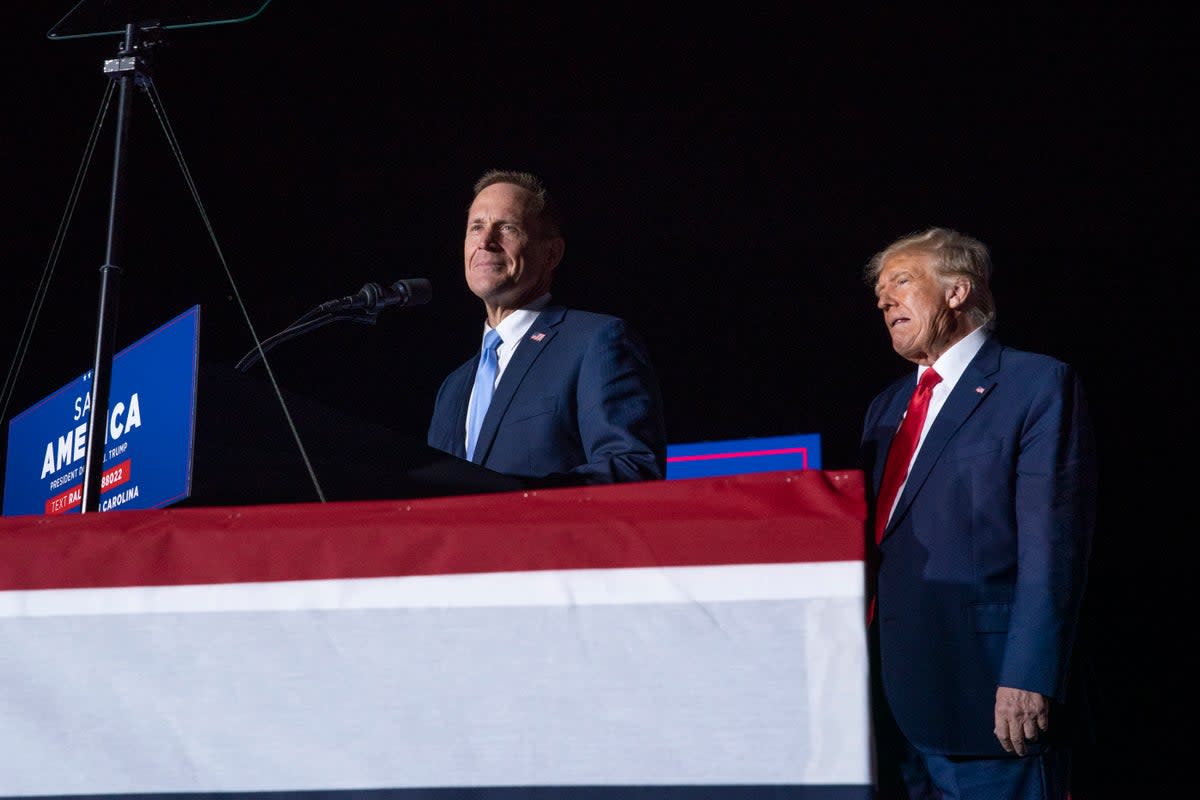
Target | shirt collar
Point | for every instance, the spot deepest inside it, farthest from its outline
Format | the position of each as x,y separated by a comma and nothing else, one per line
514,326
952,363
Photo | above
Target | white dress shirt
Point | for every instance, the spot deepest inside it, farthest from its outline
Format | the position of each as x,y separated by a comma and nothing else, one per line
512,330
950,365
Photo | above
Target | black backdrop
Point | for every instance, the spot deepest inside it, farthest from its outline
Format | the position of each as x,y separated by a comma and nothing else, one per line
726,173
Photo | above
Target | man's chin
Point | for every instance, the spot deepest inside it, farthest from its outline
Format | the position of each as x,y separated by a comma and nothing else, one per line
489,290
905,350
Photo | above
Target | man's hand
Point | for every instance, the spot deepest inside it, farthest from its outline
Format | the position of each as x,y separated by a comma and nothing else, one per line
1021,718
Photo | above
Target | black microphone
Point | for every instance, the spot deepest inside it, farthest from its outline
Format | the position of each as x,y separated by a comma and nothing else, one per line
372,297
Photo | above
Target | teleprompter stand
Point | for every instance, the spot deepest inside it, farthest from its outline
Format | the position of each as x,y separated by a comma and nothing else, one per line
140,24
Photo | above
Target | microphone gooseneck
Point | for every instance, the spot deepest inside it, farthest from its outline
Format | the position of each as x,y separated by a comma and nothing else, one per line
372,297
362,306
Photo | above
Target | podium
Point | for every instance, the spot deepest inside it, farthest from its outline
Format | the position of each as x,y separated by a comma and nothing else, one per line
186,432
245,453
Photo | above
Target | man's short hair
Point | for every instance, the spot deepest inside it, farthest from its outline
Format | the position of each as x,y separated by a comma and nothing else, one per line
544,206
955,255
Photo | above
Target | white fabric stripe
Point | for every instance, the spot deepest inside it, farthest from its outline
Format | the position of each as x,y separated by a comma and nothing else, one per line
741,693
578,587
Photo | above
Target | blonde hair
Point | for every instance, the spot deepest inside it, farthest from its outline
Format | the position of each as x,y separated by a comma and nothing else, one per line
955,255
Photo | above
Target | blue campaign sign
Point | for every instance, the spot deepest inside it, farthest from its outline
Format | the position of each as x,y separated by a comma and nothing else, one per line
741,456
148,438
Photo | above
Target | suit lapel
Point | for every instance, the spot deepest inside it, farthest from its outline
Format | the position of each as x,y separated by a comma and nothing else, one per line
459,392
540,333
890,420
973,386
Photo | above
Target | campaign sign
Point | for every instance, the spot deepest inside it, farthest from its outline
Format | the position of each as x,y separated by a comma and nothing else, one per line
149,431
742,456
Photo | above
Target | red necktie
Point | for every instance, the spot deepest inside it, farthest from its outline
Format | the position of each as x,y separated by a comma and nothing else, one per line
903,446
900,454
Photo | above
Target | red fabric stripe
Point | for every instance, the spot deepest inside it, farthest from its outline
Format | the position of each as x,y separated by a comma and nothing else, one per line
774,517
744,454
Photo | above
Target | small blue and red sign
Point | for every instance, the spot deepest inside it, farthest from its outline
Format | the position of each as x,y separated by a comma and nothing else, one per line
149,431
741,456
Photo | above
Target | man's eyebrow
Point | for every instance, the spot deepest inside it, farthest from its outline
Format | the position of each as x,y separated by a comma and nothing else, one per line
497,220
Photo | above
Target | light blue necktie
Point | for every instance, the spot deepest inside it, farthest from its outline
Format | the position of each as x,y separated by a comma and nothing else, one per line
485,385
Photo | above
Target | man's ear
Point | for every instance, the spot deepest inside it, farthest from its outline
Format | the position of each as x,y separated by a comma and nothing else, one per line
555,249
958,292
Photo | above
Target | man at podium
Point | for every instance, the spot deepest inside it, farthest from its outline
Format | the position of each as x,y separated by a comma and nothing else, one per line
555,394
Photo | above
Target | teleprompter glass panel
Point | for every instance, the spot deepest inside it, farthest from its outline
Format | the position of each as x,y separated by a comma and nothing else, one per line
109,17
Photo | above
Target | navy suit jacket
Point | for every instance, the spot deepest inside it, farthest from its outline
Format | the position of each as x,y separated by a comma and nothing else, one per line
578,401
983,565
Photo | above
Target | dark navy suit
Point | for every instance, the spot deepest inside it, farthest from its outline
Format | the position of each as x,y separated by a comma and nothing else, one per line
577,401
983,565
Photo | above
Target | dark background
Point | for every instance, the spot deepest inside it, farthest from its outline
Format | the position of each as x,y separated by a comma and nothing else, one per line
727,173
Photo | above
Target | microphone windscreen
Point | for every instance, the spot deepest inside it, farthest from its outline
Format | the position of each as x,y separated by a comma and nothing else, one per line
419,290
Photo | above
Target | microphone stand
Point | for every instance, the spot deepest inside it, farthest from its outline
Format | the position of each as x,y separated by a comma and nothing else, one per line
126,71
363,307
309,322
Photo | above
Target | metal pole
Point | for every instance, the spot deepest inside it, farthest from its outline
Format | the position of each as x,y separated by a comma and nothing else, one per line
110,278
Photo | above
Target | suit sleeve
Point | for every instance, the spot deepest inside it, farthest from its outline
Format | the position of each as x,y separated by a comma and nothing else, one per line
619,401
446,427
1056,495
